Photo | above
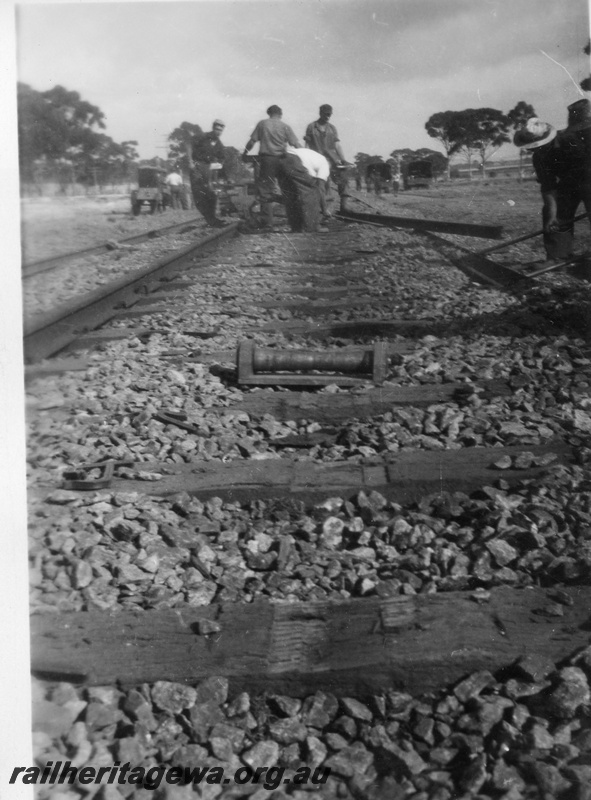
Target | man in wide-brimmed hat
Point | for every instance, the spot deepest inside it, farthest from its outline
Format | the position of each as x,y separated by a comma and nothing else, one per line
562,163
574,178
540,138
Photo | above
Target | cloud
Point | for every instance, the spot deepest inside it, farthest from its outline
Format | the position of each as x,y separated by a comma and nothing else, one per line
385,66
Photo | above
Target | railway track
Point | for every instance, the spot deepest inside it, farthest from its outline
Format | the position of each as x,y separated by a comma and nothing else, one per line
32,268
47,334
387,577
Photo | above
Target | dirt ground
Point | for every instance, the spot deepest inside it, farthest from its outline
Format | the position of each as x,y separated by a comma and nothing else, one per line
51,226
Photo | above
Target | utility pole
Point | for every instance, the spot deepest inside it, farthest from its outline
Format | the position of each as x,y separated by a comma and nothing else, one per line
164,146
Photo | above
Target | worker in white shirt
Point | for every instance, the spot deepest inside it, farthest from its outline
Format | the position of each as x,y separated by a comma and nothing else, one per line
175,182
318,167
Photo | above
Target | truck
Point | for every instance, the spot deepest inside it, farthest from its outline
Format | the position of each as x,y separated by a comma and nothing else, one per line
418,173
149,191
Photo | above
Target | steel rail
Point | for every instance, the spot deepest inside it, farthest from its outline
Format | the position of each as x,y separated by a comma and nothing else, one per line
32,268
48,333
441,226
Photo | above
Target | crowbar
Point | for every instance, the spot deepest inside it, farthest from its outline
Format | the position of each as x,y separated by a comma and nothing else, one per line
520,239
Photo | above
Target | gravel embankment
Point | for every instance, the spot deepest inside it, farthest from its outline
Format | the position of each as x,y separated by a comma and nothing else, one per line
524,734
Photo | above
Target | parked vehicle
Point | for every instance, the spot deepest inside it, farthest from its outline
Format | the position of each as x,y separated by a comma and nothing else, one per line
418,173
149,191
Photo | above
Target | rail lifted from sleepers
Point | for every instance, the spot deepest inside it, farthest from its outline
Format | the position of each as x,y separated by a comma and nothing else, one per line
474,265
435,225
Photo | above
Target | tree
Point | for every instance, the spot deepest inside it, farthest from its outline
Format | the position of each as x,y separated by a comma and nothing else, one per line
363,159
447,128
41,131
179,142
60,136
482,131
234,169
402,156
518,116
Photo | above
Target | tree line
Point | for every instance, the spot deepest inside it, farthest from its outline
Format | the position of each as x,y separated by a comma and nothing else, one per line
472,133
61,140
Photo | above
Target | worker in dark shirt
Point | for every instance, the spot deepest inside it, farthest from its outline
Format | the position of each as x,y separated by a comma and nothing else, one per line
562,163
574,179
273,136
207,151
539,138
322,136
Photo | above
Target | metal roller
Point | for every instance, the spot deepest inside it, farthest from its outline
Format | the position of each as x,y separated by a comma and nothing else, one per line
347,367
267,360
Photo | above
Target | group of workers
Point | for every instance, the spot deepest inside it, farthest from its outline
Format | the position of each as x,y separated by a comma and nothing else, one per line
297,176
562,163
300,176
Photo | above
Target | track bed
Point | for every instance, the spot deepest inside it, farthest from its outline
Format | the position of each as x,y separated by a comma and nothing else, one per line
390,582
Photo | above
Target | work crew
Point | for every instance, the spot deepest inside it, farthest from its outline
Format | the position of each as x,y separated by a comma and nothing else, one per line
273,136
322,136
562,163
207,153
175,183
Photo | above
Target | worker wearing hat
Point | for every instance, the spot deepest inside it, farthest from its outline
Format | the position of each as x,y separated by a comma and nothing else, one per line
539,138
574,180
207,154
562,164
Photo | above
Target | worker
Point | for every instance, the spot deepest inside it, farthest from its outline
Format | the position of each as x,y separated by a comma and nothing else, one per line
322,136
207,154
539,138
273,136
574,178
562,163
175,183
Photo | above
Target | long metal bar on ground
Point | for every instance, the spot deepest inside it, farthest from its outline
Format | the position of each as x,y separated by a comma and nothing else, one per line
416,643
457,228
521,239
33,268
477,267
488,272
47,334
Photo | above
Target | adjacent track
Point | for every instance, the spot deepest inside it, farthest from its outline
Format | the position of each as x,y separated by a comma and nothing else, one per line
33,268
49,333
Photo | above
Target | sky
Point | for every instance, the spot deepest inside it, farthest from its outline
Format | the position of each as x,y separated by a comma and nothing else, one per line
385,67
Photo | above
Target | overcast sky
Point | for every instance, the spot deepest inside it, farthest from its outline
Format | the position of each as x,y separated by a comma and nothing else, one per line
384,66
